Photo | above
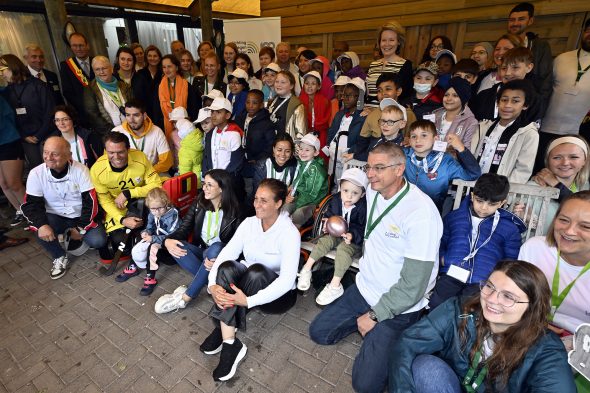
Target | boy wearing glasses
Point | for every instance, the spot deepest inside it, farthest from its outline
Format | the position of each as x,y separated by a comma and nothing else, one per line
475,237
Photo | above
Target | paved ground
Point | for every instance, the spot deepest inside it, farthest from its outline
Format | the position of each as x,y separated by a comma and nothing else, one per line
88,333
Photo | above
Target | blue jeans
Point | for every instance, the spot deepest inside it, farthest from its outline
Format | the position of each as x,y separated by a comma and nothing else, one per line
433,375
94,238
193,263
338,320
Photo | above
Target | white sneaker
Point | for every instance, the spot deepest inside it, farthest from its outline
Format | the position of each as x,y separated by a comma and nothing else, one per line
168,303
304,281
59,268
180,289
329,294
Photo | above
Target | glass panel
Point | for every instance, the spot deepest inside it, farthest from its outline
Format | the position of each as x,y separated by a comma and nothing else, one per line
192,39
115,34
92,28
160,34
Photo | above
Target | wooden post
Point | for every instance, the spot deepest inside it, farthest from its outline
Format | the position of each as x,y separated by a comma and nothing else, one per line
57,17
206,12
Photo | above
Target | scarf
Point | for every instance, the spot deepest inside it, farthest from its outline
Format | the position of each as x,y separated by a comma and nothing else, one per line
109,86
181,90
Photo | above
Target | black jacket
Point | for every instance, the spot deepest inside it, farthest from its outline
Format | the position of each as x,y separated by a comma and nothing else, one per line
53,83
543,69
145,88
260,135
358,216
35,96
192,223
73,90
260,171
199,83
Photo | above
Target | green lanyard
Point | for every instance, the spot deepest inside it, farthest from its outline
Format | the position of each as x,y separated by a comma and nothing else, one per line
370,224
135,144
574,187
469,384
558,297
580,71
216,229
115,97
172,91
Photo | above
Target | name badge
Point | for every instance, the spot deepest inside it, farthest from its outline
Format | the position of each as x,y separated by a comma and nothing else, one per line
440,146
458,273
326,151
21,111
431,117
55,88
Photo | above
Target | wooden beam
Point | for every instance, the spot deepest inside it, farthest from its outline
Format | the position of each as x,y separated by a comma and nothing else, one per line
205,9
137,5
57,17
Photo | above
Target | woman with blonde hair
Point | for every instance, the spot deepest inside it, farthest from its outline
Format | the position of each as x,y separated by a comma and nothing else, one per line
491,76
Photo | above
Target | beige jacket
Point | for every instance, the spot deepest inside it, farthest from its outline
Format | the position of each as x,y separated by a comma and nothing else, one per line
296,124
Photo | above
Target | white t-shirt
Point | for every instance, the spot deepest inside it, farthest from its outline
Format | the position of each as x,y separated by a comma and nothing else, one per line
222,145
63,197
411,230
153,144
575,308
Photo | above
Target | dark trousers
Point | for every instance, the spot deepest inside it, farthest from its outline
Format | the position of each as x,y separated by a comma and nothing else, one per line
338,320
446,287
33,154
95,237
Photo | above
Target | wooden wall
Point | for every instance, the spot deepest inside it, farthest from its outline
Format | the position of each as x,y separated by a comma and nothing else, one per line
317,24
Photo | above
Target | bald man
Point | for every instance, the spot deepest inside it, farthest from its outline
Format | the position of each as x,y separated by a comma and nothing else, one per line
60,198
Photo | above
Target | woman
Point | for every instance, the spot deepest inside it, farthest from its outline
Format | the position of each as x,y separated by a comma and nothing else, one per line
85,146
175,91
494,341
211,79
203,50
286,111
482,54
435,45
125,64
145,84
490,77
392,37
563,256
188,66
303,62
265,277
230,51
243,61
139,55
212,221
280,166
32,101
265,57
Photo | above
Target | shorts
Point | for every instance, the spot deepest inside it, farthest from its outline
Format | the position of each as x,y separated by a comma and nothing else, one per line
12,151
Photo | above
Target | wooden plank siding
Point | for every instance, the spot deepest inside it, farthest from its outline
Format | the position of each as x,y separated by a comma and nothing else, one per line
317,24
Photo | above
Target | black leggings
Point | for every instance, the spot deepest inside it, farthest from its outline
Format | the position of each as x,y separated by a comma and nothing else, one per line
250,280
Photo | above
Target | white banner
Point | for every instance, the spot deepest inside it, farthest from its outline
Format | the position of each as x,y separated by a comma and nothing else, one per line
252,34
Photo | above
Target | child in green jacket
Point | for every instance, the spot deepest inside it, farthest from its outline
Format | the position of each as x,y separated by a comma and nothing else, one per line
190,154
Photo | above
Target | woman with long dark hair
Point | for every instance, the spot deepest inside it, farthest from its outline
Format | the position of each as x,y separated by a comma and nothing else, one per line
435,45
125,64
145,84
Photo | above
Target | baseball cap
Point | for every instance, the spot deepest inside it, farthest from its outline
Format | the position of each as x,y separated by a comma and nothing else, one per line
238,73
390,101
311,140
356,176
272,67
429,66
220,103
314,74
204,114
213,94
342,80
358,82
446,52
178,113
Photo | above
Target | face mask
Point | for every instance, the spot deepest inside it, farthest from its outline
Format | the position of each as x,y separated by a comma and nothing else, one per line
422,87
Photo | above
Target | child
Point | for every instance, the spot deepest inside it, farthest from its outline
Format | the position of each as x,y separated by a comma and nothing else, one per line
163,219
427,95
445,60
317,107
238,87
350,66
508,145
268,79
433,170
455,117
311,181
322,66
350,204
177,113
467,69
190,155
336,102
475,237
208,98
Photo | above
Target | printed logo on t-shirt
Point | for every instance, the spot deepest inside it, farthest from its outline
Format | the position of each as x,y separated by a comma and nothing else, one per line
393,232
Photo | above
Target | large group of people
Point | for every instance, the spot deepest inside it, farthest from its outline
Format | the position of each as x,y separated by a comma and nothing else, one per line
446,301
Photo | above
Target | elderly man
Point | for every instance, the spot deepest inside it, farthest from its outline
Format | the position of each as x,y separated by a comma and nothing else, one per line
397,270
35,58
61,198
145,136
76,73
105,97
284,61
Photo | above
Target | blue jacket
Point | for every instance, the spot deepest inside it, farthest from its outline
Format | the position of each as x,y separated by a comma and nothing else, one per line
161,228
455,243
358,216
466,168
544,368
238,103
353,131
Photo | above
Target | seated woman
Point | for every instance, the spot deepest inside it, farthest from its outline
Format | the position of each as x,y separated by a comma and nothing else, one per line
265,277
212,221
493,341
280,166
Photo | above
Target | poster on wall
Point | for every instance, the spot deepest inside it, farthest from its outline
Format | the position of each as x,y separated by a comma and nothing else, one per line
252,34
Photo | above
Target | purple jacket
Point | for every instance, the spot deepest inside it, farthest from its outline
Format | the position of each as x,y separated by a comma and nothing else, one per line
464,124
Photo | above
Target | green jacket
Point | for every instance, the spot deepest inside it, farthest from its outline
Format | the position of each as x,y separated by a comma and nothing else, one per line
190,154
312,184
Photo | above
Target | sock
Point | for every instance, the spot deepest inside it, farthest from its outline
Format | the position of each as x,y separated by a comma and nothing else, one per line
150,273
229,341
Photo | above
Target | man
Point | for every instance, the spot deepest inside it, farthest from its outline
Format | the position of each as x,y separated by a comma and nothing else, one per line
76,73
284,61
519,21
570,101
61,198
35,58
337,50
176,48
105,97
121,177
146,136
397,270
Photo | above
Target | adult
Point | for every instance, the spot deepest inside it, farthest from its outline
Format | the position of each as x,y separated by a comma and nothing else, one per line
76,73
435,45
35,58
139,56
125,64
145,84
491,76
338,49
265,57
85,146
204,48
121,176
563,256
211,80
105,98
571,93
281,165
146,136
176,48
12,158
286,111
496,340
482,53
61,198
244,62
397,270
264,278
32,101
284,61
303,61
211,222
188,67
391,39
230,51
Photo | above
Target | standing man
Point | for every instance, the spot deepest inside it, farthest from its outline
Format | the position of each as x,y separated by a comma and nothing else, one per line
397,270
284,61
35,58
176,48
337,50
146,136
76,73
60,198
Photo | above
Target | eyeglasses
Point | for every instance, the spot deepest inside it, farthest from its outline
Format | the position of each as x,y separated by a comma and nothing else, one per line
438,47
388,123
157,209
481,53
377,168
505,299
62,120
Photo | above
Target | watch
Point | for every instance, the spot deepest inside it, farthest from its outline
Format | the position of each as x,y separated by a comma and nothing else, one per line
81,231
373,315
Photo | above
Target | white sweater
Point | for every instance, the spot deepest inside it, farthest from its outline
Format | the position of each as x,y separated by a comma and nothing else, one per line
277,249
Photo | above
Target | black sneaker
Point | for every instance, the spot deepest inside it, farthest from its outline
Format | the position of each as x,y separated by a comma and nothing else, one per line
149,284
212,343
129,272
18,219
231,355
